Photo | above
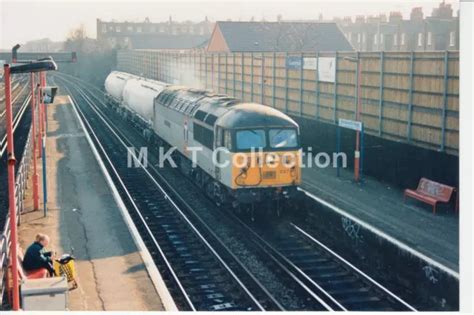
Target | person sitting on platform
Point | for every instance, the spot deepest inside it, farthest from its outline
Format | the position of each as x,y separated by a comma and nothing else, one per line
36,257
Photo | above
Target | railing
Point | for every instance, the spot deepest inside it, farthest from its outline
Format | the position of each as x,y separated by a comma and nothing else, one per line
20,188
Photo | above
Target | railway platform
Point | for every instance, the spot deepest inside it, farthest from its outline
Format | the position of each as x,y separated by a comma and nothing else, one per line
380,207
84,219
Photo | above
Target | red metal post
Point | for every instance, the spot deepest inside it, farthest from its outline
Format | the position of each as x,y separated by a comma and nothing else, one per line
33,138
357,149
11,188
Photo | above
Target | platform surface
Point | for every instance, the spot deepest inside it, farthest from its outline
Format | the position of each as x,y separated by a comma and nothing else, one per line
381,206
83,219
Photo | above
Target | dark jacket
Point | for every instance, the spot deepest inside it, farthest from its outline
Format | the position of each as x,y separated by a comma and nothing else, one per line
36,257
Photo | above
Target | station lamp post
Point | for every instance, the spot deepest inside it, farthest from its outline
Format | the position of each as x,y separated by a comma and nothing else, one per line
356,60
35,66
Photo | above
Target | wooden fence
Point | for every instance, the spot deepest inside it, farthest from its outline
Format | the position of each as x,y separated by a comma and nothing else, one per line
405,96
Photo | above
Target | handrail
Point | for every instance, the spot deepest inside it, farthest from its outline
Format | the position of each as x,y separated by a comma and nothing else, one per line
21,184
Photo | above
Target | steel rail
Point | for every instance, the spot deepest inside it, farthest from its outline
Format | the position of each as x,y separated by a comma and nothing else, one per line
357,270
168,197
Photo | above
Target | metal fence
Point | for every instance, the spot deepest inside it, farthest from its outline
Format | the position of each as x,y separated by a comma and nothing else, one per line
21,186
411,97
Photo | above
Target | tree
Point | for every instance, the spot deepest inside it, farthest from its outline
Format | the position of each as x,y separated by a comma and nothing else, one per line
76,39
94,59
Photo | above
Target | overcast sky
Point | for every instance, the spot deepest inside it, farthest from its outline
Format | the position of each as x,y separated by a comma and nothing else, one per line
22,21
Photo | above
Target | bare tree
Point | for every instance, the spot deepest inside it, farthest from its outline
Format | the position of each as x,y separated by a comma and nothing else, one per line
76,39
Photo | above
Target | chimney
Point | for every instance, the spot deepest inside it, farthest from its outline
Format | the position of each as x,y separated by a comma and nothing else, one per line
373,19
395,17
360,19
347,20
444,11
416,14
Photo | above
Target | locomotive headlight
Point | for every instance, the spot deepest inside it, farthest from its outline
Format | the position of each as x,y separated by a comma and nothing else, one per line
272,160
289,160
240,160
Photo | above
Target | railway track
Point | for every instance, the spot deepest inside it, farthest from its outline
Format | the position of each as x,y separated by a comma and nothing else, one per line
343,286
328,281
20,101
195,271
21,125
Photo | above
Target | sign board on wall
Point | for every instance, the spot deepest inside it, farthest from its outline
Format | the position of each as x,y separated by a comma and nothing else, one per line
293,62
327,69
310,63
350,124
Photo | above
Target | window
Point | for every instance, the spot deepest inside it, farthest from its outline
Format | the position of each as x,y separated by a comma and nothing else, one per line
375,39
247,139
139,29
402,39
452,38
162,29
428,39
219,137
228,140
358,37
395,39
283,138
200,115
117,29
363,37
211,119
381,39
104,28
349,36
203,135
420,39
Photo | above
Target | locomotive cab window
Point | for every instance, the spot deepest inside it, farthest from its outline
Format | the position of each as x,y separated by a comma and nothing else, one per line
283,138
251,138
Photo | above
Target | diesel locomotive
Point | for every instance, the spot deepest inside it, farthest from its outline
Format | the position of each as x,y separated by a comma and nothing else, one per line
237,152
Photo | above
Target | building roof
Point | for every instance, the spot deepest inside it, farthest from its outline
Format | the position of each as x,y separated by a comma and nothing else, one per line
283,36
167,41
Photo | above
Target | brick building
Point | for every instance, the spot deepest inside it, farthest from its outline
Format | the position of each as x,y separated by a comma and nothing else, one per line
149,35
440,31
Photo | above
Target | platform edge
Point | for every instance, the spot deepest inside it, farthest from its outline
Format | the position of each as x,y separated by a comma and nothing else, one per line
155,276
384,235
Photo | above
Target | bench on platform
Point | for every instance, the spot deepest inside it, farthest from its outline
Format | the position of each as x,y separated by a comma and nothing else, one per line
22,273
29,274
431,192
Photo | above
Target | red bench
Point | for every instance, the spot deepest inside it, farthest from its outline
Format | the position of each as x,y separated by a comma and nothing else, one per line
431,192
22,273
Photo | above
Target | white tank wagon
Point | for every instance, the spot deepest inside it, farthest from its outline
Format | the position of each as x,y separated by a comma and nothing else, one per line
115,83
139,94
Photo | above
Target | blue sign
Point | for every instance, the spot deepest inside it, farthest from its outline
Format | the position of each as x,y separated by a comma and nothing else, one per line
294,62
